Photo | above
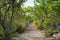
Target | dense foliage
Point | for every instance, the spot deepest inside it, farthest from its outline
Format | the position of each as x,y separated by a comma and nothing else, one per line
13,18
48,13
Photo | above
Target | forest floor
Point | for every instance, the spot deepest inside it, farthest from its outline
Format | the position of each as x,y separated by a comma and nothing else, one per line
32,33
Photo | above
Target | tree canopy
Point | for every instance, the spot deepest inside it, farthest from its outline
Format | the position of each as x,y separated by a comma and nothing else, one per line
45,14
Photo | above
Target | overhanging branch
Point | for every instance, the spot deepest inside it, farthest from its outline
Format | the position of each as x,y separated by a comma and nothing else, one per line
4,18
1,6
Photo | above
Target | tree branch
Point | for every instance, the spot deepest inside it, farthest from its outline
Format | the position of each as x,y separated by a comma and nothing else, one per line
4,18
1,6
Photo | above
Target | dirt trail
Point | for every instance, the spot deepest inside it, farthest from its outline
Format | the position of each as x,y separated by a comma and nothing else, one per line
32,33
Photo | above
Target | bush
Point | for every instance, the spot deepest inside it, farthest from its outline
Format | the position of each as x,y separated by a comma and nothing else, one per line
49,25
20,26
48,32
20,29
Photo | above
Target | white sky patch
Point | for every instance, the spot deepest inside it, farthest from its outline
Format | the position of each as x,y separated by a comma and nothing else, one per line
29,3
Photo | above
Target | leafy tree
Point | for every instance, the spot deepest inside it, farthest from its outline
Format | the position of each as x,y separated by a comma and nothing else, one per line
47,11
9,9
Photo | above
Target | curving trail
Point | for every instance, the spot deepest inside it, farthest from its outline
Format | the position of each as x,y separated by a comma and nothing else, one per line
32,33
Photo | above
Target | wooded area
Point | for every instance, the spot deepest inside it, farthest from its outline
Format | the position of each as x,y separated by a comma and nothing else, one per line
14,18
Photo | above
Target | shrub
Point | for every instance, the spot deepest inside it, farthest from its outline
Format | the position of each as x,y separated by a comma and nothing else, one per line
49,25
20,26
48,32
